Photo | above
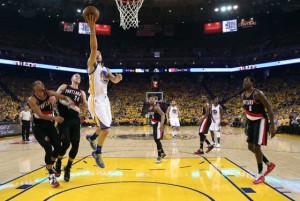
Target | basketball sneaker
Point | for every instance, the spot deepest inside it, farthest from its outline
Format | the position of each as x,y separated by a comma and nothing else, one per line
199,152
269,168
163,155
52,181
209,148
92,142
260,178
218,145
98,159
67,174
158,160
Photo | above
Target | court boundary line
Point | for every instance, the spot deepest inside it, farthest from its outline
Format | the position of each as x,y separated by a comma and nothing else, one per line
205,158
16,195
264,182
249,198
118,182
22,175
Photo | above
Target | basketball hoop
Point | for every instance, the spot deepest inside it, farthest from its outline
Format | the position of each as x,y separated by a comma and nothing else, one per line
129,10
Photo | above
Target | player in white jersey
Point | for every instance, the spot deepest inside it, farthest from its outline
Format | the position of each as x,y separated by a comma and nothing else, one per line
173,118
216,117
98,102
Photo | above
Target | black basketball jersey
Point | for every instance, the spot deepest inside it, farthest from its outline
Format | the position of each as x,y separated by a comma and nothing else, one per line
63,109
46,108
154,116
204,110
253,109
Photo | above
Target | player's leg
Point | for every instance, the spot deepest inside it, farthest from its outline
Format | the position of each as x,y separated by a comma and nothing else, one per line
91,138
43,139
23,131
212,128
97,154
64,133
259,138
27,129
74,139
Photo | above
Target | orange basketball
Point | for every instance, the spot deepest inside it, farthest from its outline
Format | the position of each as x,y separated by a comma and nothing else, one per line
91,10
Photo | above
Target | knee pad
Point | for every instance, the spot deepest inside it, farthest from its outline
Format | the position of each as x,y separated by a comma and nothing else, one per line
218,134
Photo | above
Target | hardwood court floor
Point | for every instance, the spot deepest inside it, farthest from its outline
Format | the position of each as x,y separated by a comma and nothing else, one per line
132,174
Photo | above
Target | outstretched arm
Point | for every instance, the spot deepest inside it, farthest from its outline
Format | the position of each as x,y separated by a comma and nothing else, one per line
93,43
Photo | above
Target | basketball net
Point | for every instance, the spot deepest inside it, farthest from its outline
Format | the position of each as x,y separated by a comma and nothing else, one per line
129,10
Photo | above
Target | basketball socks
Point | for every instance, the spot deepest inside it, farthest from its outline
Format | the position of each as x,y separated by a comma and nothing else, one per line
266,161
260,168
94,136
213,139
218,136
201,145
69,164
159,152
99,149
50,171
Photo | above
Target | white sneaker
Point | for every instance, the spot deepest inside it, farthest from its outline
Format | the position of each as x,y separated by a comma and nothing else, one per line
218,145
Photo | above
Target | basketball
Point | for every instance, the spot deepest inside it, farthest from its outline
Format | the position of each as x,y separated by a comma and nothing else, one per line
90,10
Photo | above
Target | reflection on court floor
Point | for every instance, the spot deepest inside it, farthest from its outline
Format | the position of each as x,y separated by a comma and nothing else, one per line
141,179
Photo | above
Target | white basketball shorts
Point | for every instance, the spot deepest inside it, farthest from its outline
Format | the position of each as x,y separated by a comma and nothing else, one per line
174,122
99,107
215,126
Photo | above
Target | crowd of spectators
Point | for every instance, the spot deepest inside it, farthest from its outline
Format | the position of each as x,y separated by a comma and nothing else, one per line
127,99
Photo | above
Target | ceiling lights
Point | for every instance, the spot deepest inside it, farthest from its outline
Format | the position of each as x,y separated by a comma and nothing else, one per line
226,8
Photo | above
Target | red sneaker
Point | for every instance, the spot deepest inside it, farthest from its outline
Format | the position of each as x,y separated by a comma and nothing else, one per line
199,152
210,148
53,182
269,168
259,179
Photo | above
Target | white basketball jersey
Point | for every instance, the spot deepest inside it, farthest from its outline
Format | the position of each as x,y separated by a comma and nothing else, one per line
98,81
215,111
173,113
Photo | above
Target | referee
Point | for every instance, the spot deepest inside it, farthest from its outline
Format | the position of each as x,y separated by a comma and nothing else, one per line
25,118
